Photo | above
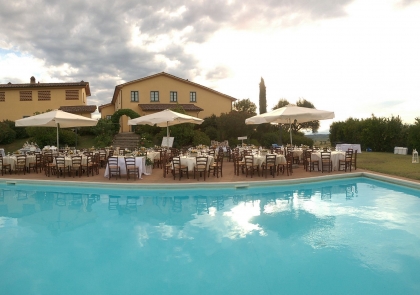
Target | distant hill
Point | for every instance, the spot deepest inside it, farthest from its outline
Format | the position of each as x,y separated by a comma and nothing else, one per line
319,136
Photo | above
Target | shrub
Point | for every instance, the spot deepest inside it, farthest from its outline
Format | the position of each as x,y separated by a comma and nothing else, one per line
200,138
7,134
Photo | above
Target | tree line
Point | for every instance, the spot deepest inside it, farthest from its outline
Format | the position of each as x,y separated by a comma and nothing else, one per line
377,133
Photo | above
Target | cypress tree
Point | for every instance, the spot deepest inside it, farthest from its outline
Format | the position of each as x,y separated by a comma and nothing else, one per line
263,98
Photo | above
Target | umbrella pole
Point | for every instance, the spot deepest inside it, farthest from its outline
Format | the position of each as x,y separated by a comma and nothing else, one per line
58,147
167,134
291,143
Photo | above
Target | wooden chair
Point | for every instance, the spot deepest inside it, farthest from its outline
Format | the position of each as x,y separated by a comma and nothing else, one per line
89,166
166,164
354,160
76,166
269,165
237,162
131,167
177,168
37,164
60,166
326,163
102,158
113,167
5,167
250,167
308,162
217,166
48,164
20,164
347,162
200,167
158,162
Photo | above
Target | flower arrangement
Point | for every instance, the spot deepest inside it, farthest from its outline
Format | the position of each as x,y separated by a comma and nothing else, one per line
149,161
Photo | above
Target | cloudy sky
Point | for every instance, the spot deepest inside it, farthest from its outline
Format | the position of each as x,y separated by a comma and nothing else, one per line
354,57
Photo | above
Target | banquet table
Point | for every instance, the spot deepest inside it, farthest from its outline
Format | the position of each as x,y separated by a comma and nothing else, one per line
190,162
67,161
12,161
140,163
345,146
335,158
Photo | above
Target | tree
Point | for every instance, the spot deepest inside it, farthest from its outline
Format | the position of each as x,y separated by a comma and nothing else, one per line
245,105
313,125
263,97
282,103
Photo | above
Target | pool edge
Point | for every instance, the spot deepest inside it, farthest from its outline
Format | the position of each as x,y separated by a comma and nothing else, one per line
236,185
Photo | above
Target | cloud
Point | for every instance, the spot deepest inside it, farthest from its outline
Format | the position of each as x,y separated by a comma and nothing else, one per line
108,42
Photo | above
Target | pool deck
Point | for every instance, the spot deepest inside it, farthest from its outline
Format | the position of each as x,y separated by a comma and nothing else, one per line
157,179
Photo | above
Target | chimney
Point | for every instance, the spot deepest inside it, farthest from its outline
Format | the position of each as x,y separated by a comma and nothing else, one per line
32,80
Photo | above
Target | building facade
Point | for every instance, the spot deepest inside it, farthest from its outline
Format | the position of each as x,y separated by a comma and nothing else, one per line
18,101
164,91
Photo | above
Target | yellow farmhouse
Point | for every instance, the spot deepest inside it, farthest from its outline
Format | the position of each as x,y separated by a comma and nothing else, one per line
23,100
164,91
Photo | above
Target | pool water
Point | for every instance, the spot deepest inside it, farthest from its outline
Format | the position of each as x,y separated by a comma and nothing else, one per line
354,236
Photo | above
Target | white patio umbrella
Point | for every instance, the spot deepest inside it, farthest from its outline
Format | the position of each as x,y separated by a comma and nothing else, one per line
289,114
165,118
55,118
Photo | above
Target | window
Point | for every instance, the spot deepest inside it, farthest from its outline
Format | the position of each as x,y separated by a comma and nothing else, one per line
44,95
108,117
173,96
193,96
134,96
72,94
154,95
25,95
2,96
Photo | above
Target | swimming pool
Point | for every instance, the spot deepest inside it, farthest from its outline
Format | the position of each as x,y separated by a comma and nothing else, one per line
350,236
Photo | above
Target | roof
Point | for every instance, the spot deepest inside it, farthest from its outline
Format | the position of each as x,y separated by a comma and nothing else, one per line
78,109
48,85
104,106
189,107
118,87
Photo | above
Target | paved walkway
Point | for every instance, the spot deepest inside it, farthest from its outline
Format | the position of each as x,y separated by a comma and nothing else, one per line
157,177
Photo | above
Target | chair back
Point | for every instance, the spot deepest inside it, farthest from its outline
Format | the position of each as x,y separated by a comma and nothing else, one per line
270,160
201,163
113,161
249,160
130,162
176,162
76,161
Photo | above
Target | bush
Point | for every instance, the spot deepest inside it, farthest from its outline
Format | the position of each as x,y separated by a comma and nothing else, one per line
20,131
268,139
200,138
7,134
43,135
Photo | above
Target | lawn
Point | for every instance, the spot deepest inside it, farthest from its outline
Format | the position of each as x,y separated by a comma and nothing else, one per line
388,163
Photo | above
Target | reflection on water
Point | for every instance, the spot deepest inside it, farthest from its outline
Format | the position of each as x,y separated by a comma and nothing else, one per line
363,226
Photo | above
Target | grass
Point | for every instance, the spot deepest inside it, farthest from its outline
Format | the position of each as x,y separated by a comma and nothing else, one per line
388,163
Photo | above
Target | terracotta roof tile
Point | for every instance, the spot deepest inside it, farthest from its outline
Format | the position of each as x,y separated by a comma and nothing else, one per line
48,85
164,106
78,109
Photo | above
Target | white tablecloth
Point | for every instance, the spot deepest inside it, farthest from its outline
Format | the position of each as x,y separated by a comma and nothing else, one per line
12,161
2,152
190,162
345,146
335,157
400,150
140,162
259,159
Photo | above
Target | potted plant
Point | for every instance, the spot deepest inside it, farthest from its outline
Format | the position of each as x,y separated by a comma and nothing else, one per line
149,166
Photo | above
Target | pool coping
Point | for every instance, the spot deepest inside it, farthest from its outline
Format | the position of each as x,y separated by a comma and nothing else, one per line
211,185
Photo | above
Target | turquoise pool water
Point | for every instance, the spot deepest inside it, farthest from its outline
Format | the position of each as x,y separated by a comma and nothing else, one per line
355,236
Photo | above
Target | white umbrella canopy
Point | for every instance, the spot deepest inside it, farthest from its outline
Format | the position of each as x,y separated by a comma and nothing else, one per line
165,118
289,114
55,118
